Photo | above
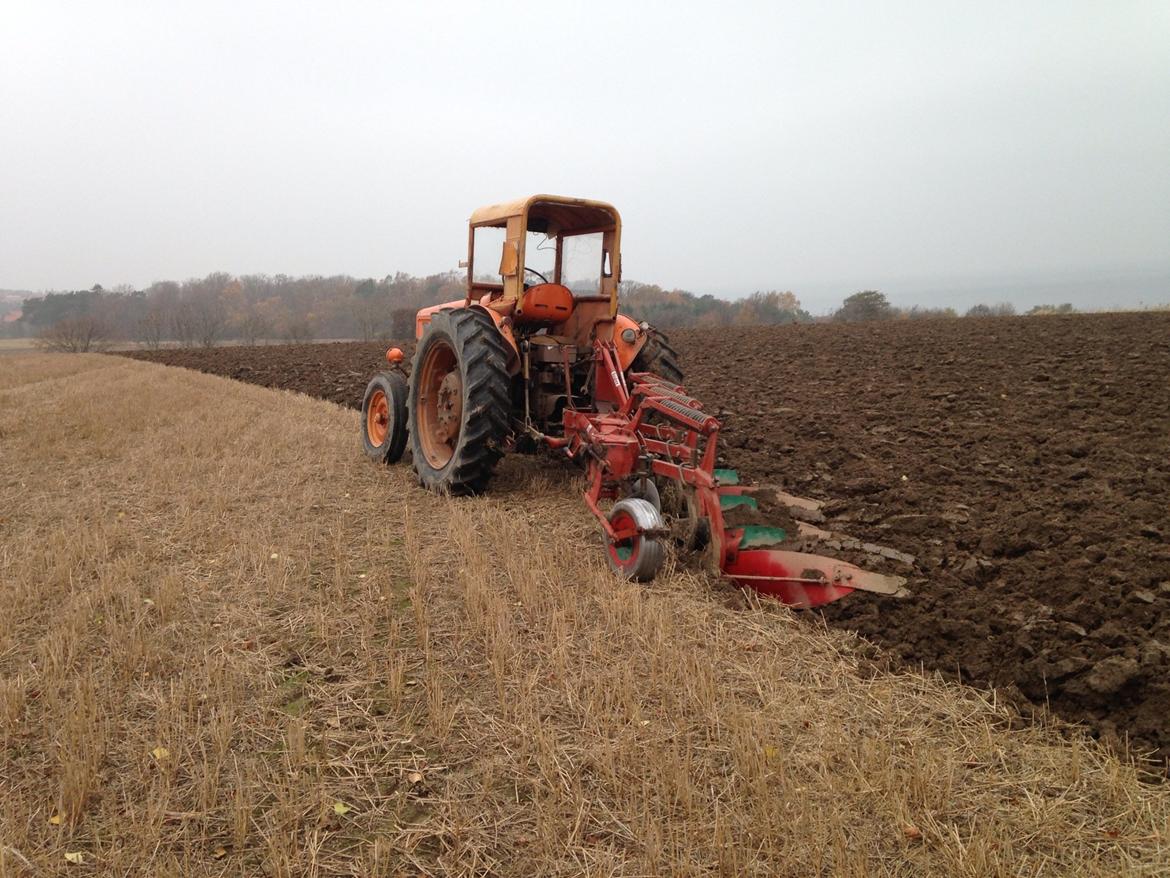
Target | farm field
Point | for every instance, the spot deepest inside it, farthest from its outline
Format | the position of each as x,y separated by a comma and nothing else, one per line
233,646
1024,462
16,345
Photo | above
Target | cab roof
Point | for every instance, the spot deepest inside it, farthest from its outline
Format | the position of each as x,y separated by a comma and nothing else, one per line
551,212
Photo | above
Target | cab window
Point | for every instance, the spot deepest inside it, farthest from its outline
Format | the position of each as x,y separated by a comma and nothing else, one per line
583,263
487,245
540,255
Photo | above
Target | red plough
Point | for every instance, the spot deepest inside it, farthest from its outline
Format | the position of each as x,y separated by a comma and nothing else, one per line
653,434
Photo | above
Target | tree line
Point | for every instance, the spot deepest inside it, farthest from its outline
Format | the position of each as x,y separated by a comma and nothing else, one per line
253,308
873,305
203,312
677,308
248,309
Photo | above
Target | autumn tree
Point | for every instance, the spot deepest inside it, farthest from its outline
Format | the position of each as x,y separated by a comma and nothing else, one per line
204,311
769,308
40,312
73,322
1065,308
1003,309
866,305
252,325
918,312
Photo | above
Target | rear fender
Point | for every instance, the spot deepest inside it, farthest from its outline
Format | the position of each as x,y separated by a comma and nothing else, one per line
502,321
423,317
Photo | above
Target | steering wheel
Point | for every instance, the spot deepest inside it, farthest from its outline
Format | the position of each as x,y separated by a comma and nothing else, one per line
537,273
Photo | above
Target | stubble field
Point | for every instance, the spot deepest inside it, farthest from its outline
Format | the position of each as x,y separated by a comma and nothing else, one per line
1024,462
232,646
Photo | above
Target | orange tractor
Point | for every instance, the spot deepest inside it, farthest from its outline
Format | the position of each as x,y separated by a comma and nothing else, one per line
536,355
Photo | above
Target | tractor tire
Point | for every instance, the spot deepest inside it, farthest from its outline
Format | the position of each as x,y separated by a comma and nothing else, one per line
658,357
384,417
459,404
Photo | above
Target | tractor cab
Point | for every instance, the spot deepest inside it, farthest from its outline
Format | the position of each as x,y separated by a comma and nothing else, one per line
542,259
571,242
549,265
543,272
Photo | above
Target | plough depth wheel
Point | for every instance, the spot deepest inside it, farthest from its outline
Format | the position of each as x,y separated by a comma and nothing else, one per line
635,555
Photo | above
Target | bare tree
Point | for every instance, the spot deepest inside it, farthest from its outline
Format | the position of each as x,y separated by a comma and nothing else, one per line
252,326
149,329
76,335
210,319
298,330
402,323
206,308
366,316
366,308
183,324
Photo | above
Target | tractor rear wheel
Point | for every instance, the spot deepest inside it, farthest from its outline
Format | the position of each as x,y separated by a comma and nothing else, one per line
384,417
658,357
459,406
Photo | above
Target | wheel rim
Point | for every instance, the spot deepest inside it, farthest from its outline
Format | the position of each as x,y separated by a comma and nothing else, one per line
440,404
623,552
378,418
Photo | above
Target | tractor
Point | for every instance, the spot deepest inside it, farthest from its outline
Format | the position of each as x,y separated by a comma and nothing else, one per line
536,355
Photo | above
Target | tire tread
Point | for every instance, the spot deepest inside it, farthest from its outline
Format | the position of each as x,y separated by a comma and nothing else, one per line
483,356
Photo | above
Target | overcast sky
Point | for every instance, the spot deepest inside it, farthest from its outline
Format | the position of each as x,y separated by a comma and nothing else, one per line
819,147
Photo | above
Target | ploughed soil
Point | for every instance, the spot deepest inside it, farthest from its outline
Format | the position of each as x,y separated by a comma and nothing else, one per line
1024,462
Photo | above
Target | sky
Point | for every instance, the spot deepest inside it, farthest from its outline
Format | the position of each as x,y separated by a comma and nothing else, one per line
938,151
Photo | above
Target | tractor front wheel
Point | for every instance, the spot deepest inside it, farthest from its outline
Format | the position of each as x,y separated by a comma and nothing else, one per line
384,417
459,405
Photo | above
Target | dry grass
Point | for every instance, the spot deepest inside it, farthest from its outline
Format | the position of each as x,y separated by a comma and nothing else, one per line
212,569
17,345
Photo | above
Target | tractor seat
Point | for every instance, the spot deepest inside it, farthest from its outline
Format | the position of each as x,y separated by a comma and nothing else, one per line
545,305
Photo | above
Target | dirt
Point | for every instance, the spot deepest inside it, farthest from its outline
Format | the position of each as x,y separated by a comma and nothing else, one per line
767,511
336,371
1024,462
